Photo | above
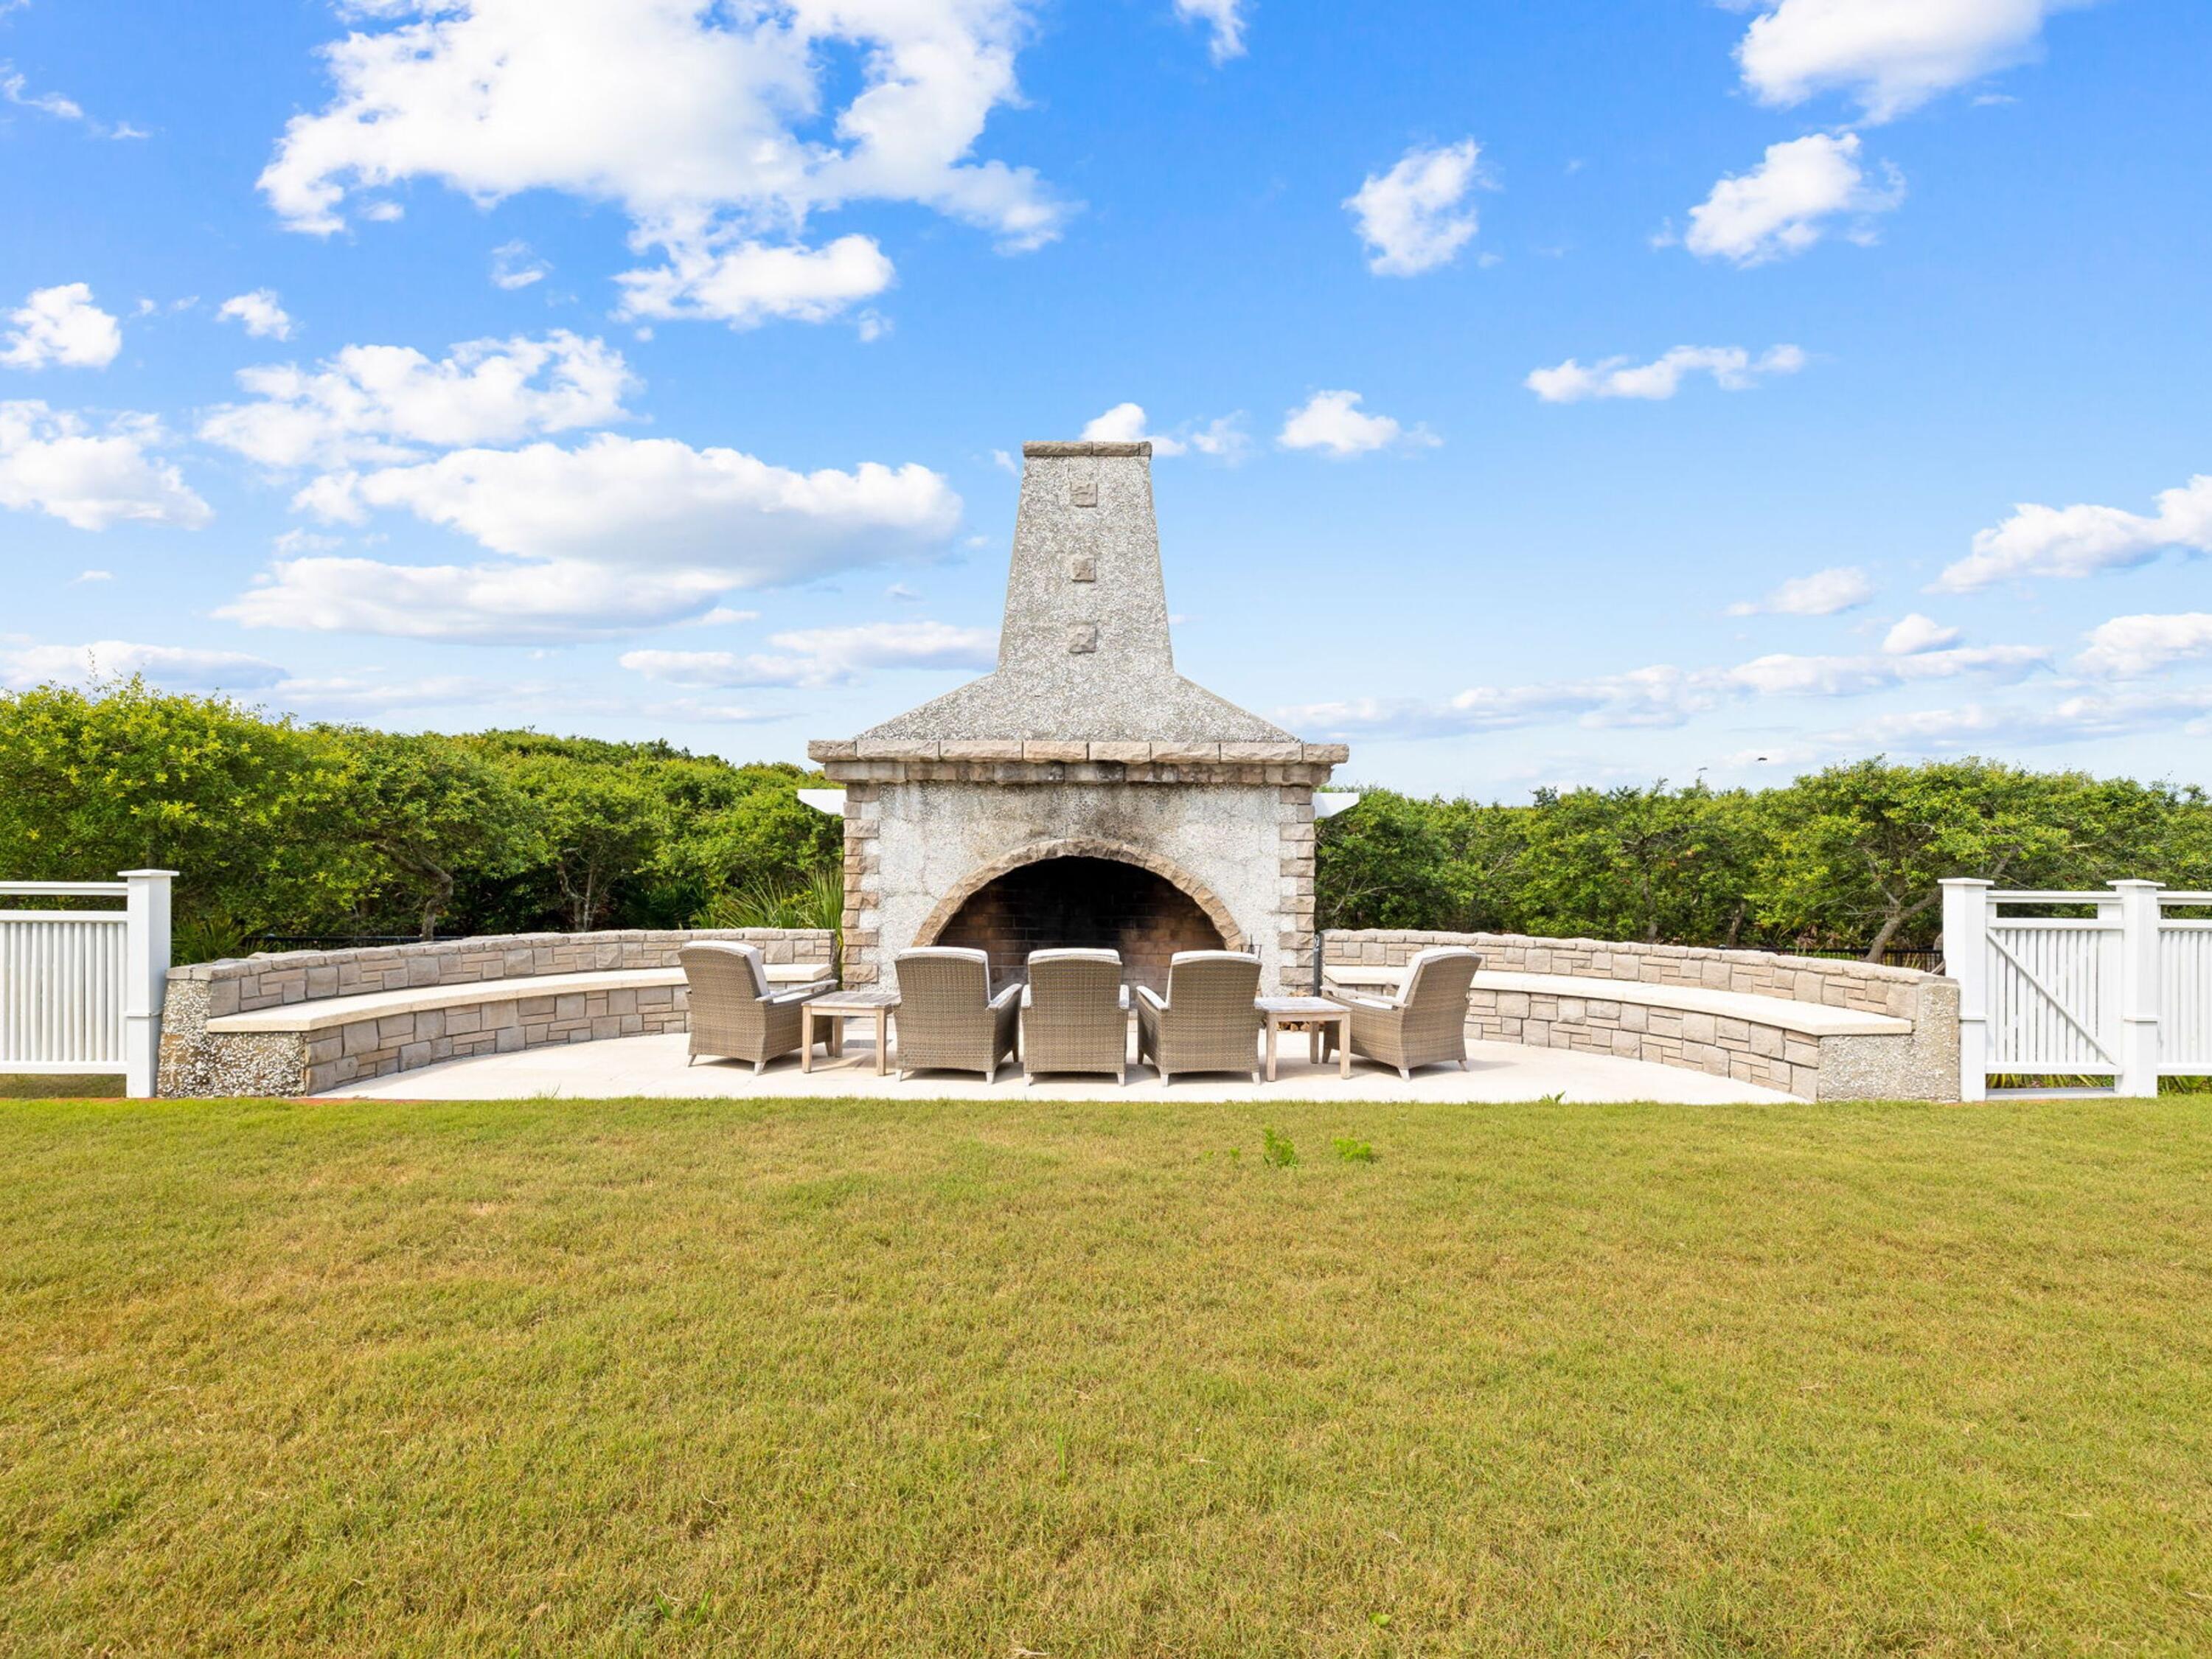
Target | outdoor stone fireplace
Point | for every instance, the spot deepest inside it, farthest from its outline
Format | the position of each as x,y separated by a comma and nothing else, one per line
1085,793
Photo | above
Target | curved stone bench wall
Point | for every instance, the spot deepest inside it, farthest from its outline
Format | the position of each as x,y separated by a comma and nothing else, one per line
1777,1043
321,1018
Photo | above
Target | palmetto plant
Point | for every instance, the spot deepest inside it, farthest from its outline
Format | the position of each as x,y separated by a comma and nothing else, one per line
209,936
814,900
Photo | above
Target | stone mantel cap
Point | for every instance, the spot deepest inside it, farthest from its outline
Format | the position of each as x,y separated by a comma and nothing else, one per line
1143,447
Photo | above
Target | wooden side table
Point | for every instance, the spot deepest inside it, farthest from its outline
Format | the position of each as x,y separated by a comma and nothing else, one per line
1311,1015
834,1010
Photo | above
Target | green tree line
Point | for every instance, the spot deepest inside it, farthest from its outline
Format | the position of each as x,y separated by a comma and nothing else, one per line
280,827
287,828
1844,859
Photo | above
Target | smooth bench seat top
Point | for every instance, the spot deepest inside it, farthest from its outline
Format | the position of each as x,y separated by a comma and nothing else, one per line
327,1012
1815,1019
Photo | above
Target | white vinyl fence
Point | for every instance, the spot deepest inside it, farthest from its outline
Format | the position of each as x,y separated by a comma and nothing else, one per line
2124,993
81,989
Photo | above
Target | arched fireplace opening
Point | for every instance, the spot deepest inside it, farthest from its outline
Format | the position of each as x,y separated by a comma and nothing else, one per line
1094,902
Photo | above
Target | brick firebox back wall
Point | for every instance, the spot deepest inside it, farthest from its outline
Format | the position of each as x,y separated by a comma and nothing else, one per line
1094,903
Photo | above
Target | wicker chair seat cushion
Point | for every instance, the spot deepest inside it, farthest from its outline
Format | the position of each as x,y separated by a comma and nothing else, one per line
748,954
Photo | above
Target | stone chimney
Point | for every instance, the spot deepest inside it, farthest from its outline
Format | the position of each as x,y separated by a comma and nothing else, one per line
1084,651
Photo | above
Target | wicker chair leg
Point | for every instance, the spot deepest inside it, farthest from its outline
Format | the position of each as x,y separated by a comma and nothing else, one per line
759,1066
1407,1072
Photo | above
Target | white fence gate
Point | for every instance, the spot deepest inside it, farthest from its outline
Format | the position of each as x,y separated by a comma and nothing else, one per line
81,990
2124,993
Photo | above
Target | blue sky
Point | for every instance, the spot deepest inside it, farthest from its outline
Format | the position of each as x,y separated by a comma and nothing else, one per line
1589,392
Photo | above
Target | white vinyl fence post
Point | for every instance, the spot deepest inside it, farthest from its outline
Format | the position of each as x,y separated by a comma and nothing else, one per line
1966,959
2139,989
145,976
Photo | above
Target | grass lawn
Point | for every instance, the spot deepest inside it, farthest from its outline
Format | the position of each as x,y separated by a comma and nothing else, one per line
31,1085
916,1377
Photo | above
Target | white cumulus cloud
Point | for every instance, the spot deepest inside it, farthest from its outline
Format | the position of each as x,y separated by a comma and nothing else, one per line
16,90
514,266
375,402
2080,717
717,128
1223,21
1890,55
60,327
1661,694
1733,369
551,600
1823,593
258,313
175,667
1910,635
54,462
1224,439
746,282
2082,540
1782,206
2127,648
821,656
616,534
1333,422
1416,216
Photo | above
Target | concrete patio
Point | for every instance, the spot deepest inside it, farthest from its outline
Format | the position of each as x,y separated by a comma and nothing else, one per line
655,1065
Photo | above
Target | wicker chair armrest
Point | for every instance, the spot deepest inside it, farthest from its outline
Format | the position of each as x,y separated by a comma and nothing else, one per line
1152,1000
1011,993
802,993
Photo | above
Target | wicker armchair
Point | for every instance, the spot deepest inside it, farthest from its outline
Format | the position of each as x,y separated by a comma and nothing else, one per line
733,1013
1424,1024
947,1018
1209,1021
1075,1014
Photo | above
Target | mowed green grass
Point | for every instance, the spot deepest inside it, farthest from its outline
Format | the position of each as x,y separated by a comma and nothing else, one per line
30,1085
981,1378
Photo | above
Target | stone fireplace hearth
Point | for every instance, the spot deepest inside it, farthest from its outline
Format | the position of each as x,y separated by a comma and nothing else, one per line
1085,793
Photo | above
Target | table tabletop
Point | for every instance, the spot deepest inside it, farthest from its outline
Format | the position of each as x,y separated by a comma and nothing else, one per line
860,999
1300,1007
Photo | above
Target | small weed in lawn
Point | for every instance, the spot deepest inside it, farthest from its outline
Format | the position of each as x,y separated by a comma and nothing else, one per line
1276,1150
1353,1151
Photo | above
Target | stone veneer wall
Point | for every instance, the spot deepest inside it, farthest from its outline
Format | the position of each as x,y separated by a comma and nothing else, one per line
196,1062
1924,1066
1862,986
